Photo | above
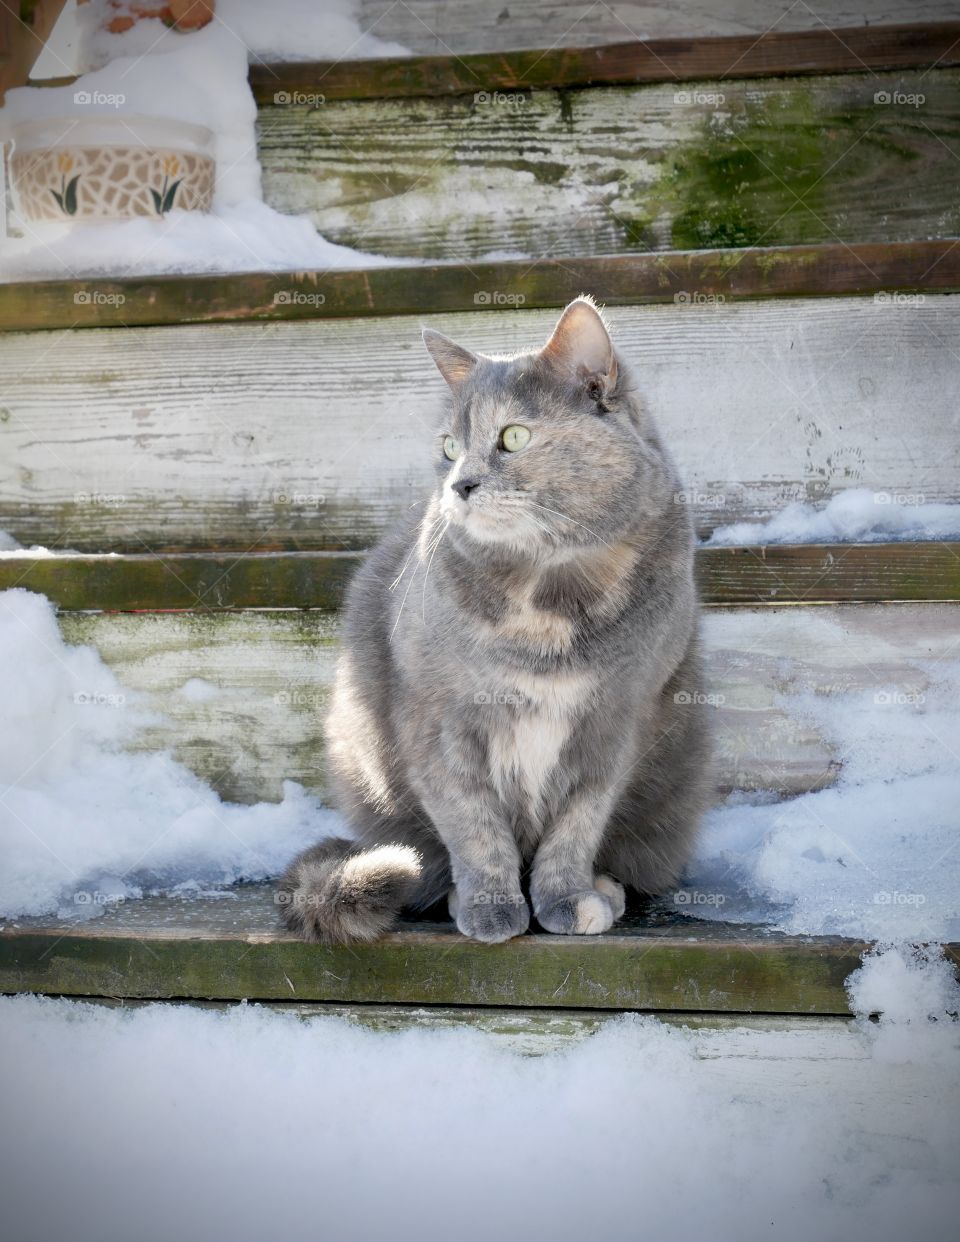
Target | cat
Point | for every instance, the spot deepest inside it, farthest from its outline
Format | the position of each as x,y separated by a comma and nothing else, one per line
517,718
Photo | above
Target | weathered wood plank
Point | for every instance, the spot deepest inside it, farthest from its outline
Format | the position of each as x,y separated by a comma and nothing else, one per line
617,280
600,170
233,949
435,27
766,1038
206,581
258,718
771,53
317,435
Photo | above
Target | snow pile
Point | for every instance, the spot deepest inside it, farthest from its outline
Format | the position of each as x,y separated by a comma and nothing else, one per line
638,1131
199,78
82,823
878,854
854,516
281,30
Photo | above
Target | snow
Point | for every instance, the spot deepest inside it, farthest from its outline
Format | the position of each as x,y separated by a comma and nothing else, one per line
84,824
199,78
854,516
280,30
874,856
256,1117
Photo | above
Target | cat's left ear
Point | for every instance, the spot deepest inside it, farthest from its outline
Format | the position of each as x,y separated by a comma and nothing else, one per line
581,349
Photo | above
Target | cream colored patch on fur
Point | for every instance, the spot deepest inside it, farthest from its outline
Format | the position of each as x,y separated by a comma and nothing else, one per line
559,694
610,569
613,891
594,915
527,748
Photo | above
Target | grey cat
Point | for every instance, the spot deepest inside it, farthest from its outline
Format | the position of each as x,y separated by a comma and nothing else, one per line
518,709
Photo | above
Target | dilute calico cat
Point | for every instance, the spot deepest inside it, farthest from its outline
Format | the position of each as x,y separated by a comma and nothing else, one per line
517,721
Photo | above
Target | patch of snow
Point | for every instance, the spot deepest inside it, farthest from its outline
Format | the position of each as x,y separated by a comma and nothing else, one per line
877,855
8,543
280,30
199,78
640,1130
83,823
196,690
854,516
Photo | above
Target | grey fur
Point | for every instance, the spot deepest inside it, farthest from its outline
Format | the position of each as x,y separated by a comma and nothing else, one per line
518,702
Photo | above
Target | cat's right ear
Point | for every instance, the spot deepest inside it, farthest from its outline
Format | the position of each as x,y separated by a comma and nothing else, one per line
454,362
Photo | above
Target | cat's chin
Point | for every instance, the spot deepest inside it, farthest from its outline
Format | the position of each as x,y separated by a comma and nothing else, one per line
503,531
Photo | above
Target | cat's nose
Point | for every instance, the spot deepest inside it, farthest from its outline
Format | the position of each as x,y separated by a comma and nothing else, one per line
463,487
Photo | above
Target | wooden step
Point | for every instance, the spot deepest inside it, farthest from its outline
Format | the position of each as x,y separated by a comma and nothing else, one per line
210,581
619,280
727,161
232,948
316,435
626,61
465,26
259,718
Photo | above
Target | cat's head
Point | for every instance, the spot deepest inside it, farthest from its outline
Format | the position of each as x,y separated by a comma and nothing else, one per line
548,449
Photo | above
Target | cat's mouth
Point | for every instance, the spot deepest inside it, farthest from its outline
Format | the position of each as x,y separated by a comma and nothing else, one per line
496,517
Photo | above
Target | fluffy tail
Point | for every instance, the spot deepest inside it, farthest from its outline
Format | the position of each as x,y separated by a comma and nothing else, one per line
339,893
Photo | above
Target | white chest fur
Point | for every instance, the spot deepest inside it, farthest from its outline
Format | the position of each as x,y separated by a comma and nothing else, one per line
537,716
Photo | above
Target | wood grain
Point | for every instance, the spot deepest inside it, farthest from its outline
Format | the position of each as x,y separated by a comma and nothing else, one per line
625,169
617,280
316,435
211,581
436,27
233,949
269,673
770,53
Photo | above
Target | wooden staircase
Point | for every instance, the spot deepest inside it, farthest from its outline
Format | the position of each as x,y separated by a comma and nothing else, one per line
772,223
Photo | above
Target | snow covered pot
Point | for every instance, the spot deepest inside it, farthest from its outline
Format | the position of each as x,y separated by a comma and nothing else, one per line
110,167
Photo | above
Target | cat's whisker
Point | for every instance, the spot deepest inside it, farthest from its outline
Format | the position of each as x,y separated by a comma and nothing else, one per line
426,575
568,518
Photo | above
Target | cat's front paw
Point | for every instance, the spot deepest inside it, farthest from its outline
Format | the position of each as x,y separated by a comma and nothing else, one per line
490,916
587,913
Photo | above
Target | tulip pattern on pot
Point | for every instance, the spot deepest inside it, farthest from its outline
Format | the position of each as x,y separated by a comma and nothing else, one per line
66,196
163,199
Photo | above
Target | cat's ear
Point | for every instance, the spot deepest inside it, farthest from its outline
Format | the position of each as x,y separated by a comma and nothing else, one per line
453,361
581,349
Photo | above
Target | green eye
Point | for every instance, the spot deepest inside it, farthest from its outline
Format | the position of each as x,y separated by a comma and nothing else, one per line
451,448
515,438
